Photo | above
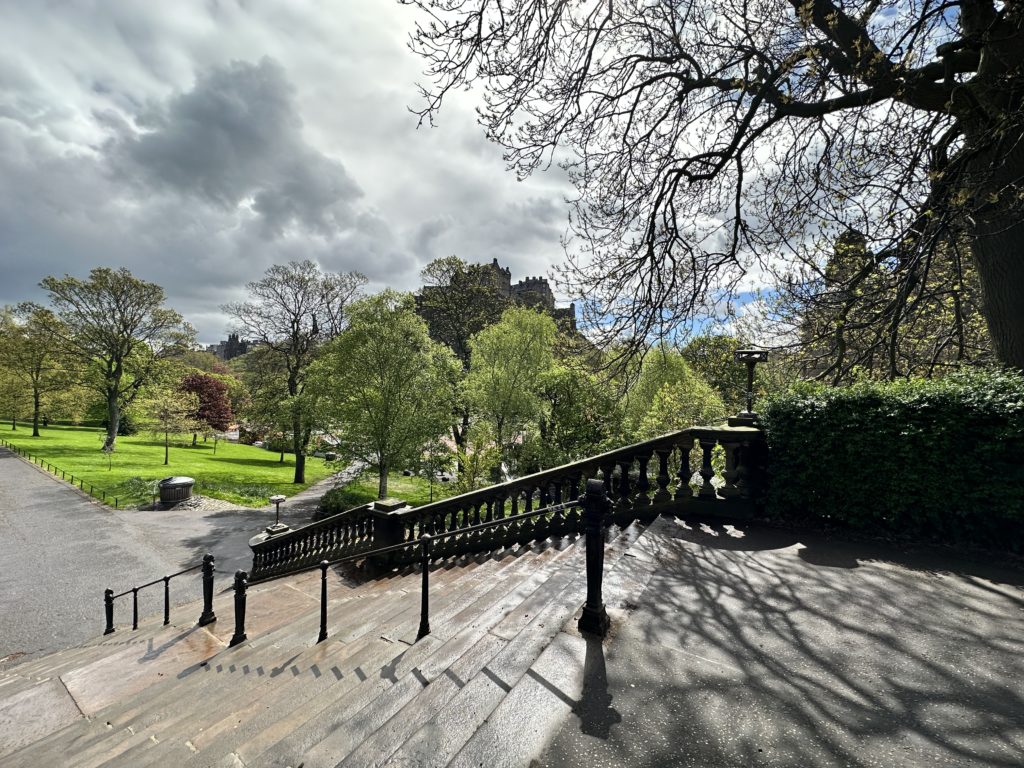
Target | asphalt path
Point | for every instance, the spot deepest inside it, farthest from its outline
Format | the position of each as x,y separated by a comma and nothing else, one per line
58,552
59,549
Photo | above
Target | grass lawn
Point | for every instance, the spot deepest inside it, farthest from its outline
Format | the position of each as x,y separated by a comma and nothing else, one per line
413,490
236,473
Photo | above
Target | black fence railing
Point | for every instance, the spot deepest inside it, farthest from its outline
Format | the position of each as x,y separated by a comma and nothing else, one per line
596,514
207,616
94,491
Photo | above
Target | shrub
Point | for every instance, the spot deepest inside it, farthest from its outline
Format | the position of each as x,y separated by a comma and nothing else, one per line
339,499
928,458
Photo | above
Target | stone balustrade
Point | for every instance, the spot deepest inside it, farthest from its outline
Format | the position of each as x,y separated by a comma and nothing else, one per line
643,480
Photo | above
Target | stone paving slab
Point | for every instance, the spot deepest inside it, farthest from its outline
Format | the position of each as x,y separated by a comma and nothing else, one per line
755,647
134,669
33,713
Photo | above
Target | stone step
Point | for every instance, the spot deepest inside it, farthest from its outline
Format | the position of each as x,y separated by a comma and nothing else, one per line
153,698
331,731
153,742
311,708
114,649
446,681
438,740
529,718
137,726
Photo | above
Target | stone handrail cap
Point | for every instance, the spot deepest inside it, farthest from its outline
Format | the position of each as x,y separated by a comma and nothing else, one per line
388,505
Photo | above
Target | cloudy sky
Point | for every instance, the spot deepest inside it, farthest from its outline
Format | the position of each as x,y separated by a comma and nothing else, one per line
197,143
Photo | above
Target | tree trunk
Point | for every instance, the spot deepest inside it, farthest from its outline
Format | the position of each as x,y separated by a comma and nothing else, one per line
195,437
113,420
35,413
382,481
997,245
999,257
459,436
167,449
299,448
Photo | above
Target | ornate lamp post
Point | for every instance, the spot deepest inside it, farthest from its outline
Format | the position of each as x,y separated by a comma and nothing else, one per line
277,526
751,357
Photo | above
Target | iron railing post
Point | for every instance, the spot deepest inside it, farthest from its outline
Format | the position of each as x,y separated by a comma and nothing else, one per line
323,602
135,608
241,582
167,600
594,619
108,607
425,589
207,616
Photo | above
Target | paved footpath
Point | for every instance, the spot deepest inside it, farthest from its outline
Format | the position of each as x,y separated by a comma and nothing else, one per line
751,647
59,550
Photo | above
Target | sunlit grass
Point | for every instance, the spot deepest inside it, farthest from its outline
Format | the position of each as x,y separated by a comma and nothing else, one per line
237,473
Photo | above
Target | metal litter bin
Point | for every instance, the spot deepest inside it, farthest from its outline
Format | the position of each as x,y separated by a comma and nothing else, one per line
175,489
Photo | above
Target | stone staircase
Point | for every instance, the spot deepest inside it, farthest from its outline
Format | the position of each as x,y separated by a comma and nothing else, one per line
489,686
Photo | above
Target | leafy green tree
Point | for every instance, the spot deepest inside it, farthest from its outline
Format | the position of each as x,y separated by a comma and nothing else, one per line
459,300
382,382
167,411
30,346
710,356
265,411
509,360
116,327
291,313
14,398
834,314
668,396
581,414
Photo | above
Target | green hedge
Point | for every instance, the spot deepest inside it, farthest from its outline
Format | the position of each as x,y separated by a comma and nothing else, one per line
935,459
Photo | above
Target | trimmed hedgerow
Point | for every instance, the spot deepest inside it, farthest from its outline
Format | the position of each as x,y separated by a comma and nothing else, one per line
936,459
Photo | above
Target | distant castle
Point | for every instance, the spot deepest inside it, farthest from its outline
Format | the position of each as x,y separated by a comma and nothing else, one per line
233,347
531,292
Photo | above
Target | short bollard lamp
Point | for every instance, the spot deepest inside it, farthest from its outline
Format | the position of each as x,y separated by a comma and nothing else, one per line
751,357
277,526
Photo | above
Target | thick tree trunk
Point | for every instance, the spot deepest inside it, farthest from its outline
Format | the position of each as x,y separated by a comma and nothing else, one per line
35,413
997,245
999,257
382,481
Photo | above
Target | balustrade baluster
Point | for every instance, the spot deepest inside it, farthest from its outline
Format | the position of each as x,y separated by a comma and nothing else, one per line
730,474
707,490
608,471
662,495
625,504
683,491
643,483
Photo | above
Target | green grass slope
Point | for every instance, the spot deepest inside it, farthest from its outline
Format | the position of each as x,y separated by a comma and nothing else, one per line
237,473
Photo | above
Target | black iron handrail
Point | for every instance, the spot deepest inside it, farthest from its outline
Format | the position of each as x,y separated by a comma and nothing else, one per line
424,543
54,469
207,616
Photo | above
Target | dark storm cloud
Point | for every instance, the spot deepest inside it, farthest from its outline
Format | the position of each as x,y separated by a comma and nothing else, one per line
237,137
199,143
